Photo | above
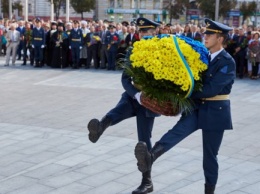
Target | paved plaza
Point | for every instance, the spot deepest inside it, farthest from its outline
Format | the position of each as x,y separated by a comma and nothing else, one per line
45,148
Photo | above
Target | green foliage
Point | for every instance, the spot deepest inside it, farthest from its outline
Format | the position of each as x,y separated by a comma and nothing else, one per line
15,5
247,9
81,6
57,6
208,7
177,8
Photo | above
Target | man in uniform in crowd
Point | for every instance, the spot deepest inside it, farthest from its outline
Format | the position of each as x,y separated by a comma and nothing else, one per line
127,107
113,42
76,41
38,42
211,111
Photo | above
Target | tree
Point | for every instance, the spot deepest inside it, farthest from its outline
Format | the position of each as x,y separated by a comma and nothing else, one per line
81,6
247,9
57,7
5,8
208,7
176,8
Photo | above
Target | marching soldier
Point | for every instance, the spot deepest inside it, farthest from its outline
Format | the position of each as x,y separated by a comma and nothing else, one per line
211,111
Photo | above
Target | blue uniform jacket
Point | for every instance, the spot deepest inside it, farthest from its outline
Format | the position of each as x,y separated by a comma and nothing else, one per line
113,41
76,38
38,37
131,90
218,80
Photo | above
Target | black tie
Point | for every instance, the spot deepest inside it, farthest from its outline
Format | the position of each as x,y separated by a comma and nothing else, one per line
209,57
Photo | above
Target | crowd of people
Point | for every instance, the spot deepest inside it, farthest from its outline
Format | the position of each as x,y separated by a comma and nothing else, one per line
101,44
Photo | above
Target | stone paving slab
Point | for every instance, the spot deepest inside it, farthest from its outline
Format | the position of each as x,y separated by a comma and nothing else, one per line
45,148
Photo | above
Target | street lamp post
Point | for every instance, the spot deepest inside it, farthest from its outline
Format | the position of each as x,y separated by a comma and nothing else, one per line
26,10
256,10
67,10
10,10
217,10
52,10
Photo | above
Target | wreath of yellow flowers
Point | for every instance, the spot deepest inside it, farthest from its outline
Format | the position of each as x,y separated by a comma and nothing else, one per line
159,56
168,68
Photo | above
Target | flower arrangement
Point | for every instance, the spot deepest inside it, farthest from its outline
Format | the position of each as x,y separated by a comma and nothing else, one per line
168,69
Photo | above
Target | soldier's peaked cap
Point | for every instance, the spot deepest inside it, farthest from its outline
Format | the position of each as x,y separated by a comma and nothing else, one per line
146,24
213,27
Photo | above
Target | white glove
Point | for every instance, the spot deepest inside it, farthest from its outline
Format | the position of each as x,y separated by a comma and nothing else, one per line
138,97
32,46
69,47
42,46
80,47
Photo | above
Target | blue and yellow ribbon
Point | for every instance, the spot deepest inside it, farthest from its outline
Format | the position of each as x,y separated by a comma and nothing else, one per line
186,67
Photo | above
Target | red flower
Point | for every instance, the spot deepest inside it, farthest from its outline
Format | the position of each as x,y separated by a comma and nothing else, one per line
115,38
136,36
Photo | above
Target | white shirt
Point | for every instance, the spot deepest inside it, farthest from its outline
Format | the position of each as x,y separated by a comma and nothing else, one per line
213,55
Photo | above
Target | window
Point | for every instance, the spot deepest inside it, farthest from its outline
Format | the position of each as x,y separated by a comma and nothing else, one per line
134,4
157,4
29,8
142,4
120,3
112,3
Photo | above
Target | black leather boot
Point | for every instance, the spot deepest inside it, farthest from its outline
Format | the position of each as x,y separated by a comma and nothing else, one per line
209,189
145,158
146,184
96,128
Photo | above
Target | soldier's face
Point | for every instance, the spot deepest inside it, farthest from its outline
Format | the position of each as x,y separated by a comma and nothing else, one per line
213,42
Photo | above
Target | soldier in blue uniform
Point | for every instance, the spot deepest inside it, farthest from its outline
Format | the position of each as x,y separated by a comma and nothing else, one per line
113,42
38,42
127,107
75,42
211,112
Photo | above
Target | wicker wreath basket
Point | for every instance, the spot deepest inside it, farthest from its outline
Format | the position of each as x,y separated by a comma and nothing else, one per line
164,108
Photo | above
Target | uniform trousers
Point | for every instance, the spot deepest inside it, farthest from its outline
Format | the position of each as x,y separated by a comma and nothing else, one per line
75,51
38,53
187,124
104,55
12,48
128,107
112,59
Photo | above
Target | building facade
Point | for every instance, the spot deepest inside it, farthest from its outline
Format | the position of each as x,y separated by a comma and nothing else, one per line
120,10
42,9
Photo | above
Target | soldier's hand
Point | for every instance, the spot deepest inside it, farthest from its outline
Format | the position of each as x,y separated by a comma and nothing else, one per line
80,47
42,46
69,47
32,46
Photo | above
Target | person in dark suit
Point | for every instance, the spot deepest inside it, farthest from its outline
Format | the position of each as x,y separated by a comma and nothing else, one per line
240,52
211,111
20,29
132,37
129,106
92,40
